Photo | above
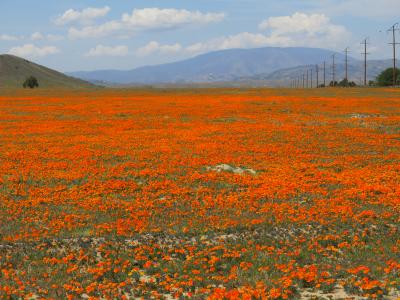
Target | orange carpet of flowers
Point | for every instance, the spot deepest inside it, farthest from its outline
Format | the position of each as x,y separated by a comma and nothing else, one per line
199,194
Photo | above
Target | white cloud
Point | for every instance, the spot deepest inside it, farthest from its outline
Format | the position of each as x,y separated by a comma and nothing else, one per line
37,36
312,30
241,40
297,30
300,22
95,31
156,18
147,19
101,50
6,37
155,47
30,50
85,16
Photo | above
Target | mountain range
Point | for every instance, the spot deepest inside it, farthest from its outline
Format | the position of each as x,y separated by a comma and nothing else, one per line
230,65
270,66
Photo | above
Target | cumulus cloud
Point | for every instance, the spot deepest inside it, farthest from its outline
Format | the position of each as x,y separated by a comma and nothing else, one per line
155,47
300,22
95,31
6,37
30,50
147,19
84,16
101,50
240,40
156,18
299,29
37,36
314,30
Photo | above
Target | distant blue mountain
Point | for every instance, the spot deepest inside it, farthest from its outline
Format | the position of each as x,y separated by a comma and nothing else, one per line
219,66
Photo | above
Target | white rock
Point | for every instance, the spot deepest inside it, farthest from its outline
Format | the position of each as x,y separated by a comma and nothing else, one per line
227,168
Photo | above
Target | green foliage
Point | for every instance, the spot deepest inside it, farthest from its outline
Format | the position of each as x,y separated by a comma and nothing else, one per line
343,83
346,83
31,82
386,77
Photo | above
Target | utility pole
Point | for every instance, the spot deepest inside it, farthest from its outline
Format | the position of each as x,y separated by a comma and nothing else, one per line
365,53
324,73
311,78
303,80
346,61
317,71
333,69
393,29
307,79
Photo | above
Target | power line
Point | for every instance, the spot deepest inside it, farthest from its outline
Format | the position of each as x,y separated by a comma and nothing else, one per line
317,71
311,78
324,73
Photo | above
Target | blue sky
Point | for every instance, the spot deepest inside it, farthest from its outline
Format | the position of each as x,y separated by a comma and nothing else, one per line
72,35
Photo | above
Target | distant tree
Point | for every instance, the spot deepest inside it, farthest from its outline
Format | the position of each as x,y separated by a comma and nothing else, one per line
31,82
347,83
344,83
371,83
333,83
386,77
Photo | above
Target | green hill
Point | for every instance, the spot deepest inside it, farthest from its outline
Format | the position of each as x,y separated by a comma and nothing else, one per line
14,70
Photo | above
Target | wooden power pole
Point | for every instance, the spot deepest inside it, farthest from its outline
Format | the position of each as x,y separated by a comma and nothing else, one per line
307,78
365,53
393,29
333,69
346,65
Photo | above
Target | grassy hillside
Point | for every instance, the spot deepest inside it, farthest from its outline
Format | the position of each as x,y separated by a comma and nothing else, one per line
14,70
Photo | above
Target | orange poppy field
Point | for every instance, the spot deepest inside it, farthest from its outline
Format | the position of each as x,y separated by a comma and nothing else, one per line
200,194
